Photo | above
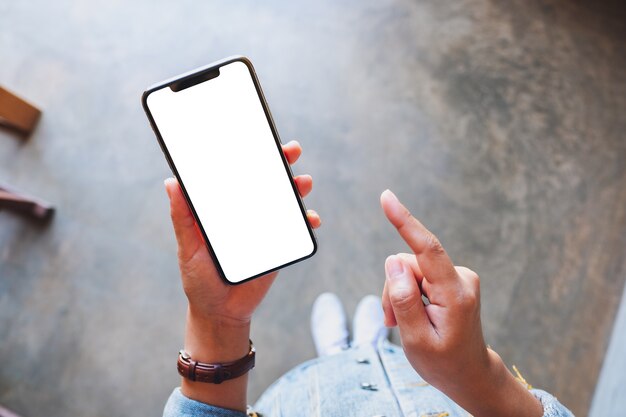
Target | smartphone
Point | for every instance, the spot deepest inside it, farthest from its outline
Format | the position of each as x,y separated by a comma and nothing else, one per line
217,134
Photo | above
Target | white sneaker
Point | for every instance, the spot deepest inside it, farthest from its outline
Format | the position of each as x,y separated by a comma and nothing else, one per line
369,321
329,325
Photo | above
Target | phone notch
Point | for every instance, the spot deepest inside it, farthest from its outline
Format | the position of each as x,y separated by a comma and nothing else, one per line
195,80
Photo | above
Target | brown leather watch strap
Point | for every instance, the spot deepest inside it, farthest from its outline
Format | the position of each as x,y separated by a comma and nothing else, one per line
214,373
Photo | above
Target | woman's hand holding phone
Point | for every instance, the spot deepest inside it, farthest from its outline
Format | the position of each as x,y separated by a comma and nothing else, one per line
219,315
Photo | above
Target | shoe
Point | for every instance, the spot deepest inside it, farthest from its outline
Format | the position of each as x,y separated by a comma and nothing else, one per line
329,325
369,322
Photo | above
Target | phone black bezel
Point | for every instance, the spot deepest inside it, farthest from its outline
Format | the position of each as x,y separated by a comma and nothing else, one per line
198,72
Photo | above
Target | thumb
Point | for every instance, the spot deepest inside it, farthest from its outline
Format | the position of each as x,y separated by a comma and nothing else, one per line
187,234
406,300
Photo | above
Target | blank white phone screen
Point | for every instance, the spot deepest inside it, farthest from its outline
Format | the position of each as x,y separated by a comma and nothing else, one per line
220,141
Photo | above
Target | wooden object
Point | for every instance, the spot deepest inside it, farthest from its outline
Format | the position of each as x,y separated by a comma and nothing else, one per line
17,114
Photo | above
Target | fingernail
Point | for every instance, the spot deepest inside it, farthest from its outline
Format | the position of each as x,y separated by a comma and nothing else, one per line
391,193
394,267
165,183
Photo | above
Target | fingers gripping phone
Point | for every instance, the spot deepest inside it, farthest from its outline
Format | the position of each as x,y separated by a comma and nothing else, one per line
218,136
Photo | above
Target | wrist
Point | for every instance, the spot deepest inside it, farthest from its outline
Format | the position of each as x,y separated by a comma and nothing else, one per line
496,393
216,338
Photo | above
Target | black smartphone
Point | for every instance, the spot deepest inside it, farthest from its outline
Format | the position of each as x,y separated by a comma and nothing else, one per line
217,134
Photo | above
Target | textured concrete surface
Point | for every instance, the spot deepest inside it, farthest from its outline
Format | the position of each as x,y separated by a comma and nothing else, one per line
499,123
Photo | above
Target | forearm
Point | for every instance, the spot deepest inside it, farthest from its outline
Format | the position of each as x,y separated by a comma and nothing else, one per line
217,340
496,393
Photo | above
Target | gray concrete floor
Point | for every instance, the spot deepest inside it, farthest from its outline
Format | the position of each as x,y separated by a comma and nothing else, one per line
501,124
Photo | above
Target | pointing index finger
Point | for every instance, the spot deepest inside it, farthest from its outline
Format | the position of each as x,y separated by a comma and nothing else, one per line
431,256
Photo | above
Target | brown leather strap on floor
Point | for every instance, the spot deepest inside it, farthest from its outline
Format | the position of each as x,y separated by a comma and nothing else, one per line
11,199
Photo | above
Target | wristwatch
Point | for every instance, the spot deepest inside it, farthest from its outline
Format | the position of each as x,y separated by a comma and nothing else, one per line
214,373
